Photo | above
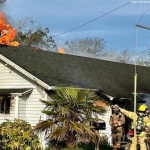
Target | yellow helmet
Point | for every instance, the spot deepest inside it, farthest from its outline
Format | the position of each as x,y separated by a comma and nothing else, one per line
143,107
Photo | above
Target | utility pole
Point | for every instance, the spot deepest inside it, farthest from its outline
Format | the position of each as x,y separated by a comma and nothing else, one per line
135,88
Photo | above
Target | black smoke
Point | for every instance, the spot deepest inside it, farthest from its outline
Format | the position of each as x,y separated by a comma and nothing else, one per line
145,97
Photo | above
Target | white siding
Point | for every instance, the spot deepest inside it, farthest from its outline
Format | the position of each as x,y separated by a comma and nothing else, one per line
106,118
9,78
34,108
22,107
29,105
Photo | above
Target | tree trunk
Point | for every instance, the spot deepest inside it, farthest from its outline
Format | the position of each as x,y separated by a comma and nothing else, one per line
71,144
97,142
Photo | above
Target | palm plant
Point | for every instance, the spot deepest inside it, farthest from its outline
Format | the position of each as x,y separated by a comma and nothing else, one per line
69,112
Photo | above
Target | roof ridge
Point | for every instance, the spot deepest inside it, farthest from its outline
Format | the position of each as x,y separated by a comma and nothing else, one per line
86,57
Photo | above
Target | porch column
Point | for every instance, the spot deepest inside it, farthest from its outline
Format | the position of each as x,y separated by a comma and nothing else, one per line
16,106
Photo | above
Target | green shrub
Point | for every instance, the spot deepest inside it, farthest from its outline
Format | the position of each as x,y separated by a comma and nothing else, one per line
72,149
91,146
47,148
103,144
18,135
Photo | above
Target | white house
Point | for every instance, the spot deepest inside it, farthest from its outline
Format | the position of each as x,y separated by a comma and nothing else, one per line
27,75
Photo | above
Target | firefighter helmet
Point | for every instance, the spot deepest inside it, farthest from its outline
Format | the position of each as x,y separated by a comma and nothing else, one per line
115,106
116,109
143,107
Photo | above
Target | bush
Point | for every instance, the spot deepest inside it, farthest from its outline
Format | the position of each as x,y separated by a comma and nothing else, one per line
91,146
18,135
47,148
57,145
72,149
103,144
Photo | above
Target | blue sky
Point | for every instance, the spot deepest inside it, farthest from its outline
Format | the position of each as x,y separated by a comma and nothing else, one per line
117,28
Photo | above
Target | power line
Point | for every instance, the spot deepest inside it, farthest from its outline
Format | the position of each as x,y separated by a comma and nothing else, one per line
143,15
139,12
92,20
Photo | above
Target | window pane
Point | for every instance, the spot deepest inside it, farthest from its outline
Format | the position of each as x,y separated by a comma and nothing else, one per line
7,111
2,106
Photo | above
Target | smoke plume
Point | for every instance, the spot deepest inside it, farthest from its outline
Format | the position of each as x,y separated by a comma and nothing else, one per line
4,9
2,4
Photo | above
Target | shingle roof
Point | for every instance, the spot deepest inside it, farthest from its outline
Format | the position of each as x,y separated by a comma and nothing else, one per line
116,79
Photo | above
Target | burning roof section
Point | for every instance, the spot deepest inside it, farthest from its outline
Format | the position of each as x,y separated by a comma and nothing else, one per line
7,33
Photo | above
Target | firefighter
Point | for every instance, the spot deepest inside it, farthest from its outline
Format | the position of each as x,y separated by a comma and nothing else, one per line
141,122
147,128
117,121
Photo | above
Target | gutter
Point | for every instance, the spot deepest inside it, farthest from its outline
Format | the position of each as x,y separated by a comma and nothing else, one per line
21,70
108,96
144,94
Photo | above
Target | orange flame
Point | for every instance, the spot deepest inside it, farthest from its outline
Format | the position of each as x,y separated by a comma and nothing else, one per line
61,50
6,39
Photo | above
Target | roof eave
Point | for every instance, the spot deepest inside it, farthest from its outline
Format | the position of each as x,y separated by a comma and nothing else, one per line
54,87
